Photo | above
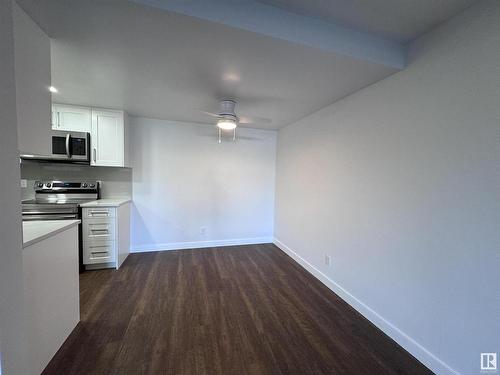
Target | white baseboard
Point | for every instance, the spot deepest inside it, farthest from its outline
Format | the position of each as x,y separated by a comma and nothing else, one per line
409,344
198,244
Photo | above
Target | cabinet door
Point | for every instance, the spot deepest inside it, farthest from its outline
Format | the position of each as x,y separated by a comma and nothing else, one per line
107,138
71,118
55,122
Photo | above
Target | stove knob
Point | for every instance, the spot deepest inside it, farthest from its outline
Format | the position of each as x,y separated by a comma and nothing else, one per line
84,185
92,186
48,184
40,185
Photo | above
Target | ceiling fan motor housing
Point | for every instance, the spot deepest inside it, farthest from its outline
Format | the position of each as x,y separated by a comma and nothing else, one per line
227,110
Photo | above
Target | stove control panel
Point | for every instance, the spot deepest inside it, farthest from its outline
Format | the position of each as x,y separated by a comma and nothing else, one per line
66,185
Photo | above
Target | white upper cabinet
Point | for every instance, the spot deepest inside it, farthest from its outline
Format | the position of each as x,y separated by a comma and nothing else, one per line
71,118
107,138
107,128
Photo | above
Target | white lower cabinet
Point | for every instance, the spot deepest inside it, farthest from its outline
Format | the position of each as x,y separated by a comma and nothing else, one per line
51,296
106,236
99,229
99,251
98,212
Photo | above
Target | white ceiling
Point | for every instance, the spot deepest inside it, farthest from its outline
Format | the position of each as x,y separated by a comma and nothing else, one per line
400,20
163,65
159,64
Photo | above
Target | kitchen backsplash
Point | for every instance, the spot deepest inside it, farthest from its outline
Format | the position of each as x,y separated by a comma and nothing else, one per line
115,182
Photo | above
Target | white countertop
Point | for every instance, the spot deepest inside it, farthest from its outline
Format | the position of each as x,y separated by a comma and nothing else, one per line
106,202
36,231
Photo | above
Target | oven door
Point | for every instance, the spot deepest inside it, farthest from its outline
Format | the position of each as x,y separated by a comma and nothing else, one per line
71,146
49,211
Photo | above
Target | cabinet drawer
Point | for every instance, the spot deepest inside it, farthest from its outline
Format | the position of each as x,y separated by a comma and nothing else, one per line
99,252
99,229
92,212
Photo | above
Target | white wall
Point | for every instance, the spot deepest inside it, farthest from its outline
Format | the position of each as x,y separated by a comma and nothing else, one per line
32,59
400,184
12,348
184,180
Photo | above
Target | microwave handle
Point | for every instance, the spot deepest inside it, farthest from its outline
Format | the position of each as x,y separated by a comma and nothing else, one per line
68,138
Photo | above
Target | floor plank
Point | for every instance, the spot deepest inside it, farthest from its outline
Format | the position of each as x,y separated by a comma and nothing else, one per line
232,310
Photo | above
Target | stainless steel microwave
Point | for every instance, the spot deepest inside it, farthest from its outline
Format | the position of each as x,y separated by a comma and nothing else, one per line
71,145
68,147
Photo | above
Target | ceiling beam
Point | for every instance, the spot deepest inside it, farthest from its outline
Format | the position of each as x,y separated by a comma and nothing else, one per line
274,22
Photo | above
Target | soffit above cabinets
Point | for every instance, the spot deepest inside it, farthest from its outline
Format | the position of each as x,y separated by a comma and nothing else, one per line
397,20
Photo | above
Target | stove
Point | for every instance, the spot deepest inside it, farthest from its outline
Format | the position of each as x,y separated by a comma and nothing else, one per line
59,200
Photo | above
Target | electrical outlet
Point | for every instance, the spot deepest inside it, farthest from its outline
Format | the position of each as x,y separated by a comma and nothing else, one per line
203,230
24,183
328,260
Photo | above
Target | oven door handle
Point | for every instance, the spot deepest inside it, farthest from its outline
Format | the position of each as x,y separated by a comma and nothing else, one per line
68,138
47,213
49,217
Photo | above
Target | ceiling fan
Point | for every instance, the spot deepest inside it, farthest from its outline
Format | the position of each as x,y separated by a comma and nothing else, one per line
228,120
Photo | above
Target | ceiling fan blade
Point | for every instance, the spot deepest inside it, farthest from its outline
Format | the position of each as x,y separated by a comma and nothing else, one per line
208,113
254,120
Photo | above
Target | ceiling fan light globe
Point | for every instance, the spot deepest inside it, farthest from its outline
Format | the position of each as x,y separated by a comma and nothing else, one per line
226,124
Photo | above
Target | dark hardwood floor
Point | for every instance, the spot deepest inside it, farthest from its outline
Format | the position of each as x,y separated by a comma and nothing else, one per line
233,310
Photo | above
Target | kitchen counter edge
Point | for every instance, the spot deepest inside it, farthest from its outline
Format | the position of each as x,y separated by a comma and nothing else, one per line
45,229
106,202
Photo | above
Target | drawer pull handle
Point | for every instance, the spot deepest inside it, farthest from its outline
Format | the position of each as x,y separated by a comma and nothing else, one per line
101,232
99,255
99,213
